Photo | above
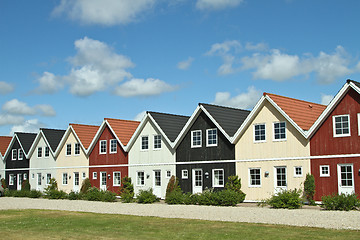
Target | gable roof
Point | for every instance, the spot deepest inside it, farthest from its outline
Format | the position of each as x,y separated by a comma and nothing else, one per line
226,119
52,138
4,144
350,84
300,114
26,140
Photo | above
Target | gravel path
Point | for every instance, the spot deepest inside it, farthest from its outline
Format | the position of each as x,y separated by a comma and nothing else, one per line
312,217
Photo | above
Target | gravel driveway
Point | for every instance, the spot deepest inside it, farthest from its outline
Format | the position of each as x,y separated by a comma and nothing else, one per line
312,217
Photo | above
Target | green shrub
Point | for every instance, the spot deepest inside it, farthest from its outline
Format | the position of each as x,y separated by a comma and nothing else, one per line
74,195
3,183
146,196
126,190
34,194
25,185
207,197
309,188
175,197
8,192
93,194
190,199
285,199
85,186
127,197
108,196
52,192
343,202
173,185
228,198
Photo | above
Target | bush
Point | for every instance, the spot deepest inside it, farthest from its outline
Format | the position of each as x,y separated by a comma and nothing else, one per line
52,192
343,202
146,196
85,186
175,197
108,196
93,194
74,195
207,197
234,184
228,198
126,190
25,185
173,185
190,199
285,199
34,194
309,188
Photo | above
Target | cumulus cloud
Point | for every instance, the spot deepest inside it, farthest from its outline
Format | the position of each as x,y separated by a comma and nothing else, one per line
5,88
48,83
326,99
184,65
30,126
245,100
217,4
45,110
16,107
140,116
8,119
105,12
141,87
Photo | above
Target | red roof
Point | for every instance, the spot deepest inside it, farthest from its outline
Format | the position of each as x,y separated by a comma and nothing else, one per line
85,133
303,113
4,144
124,129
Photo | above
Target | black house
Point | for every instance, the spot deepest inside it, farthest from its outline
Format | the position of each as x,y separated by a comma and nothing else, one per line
16,159
207,137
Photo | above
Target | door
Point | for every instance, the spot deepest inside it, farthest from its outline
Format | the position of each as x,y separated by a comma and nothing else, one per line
102,180
19,181
76,182
157,183
280,179
197,180
38,182
345,178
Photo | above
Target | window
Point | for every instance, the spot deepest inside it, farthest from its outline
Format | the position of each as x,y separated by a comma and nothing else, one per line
103,147
14,154
113,146
77,149
218,177
83,175
341,126
280,131
47,152
32,176
48,178
39,155
140,180
68,149
255,177
11,179
25,176
168,173
39,179
157,141
94,175
324,171
20,154
196,138
157,178
64,179
259,133
211,135
298,172
184,174
144,143
76,179
116,179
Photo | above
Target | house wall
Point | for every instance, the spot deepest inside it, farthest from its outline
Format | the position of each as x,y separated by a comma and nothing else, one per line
164,155
72,164
95,158
295,145
2,168
324,143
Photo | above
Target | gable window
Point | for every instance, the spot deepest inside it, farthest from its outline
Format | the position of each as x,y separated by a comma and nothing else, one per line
196,138
64,179
116,179
140,179
298,171
39,152
11,179
68,149
94,176
144,143
280,131
324,171
103,147
157,141
218,177
184,174
77,149
341,126
259,133
211,136
47,152
48,178
14,154
113,146
20,154
255,177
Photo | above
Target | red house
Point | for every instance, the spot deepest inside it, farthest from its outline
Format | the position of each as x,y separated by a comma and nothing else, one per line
107,148
337,132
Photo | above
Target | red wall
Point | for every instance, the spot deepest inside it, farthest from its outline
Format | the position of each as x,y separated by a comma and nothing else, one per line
120,157
323,143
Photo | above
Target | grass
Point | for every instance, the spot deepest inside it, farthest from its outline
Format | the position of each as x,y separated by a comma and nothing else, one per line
43,224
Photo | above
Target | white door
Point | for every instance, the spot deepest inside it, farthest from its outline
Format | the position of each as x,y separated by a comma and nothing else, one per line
157,183
19,181
280,179
38,182
345,178
103,180
197,180
76,182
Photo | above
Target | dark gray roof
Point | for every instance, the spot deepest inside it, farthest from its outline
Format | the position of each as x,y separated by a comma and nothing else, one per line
355,82
26,140
169,123
53,136
230,119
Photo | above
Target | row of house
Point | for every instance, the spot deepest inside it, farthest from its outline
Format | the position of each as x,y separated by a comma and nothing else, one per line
271,148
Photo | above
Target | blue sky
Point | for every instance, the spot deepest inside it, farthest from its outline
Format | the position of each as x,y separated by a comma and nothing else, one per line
78,61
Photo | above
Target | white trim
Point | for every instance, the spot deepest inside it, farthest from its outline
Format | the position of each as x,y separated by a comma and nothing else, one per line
324,175
298,175
358,118
77,154
192,139
213,177
94,175
280,139
100,150
168,176
116,184
12,155
207,137
110,143
249,178
183,175
155,135
20,151
66,149
141,143
334,127
254,135
45,152
137,178
39,150
67,178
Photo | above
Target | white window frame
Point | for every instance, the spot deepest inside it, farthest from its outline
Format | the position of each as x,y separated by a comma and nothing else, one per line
46,149
25,176
325,174
184,174
39,152
298,175
250,183
100,144
83,175
141,143
334,127
13,154
116,184
168,173
155,145
39,179
33,176
207,137
94,175
358,118
281,139
65,176
66,150
192,139
111,145
223,178
47,178
254,132
11,179
20,152
77,146
138,183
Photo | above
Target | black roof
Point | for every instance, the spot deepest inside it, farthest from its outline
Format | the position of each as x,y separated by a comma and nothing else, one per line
230,119
355,82
169,123
26,140
53,136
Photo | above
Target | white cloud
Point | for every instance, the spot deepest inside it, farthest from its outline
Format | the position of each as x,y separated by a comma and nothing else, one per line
16,107
217,4
8,119
48,83
141,87
256,47
105,12
245,100
185,64
30,126
6,88
45,110
223,48
326,99
140,116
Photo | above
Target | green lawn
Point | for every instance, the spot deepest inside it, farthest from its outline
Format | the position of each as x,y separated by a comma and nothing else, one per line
35,224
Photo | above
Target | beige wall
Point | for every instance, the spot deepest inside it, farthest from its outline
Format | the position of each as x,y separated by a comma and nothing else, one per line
295,145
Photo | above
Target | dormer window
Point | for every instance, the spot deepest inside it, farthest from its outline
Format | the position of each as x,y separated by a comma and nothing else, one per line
341,126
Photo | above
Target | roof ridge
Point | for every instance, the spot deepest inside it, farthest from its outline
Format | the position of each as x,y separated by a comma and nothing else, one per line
178,115
121,119
79,124
52,129
265,93
223,106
